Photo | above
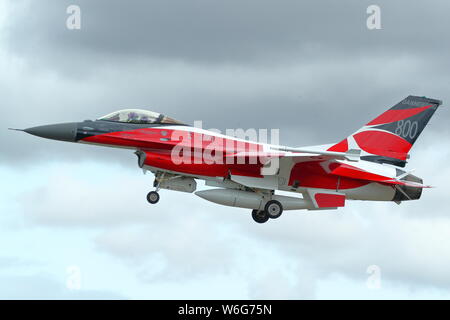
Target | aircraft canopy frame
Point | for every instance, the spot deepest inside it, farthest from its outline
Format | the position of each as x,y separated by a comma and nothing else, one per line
138,116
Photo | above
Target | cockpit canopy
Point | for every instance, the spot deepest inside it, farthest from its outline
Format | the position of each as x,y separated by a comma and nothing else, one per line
138,116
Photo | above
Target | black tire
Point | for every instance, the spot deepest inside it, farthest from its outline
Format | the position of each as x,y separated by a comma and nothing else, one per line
153,197
260,216
273,208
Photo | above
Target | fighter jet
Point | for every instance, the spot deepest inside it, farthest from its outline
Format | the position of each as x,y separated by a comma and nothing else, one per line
367,165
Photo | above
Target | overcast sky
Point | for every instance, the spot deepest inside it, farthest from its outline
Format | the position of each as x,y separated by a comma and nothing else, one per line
309,68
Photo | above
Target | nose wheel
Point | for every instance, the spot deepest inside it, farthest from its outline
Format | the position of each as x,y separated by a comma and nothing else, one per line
153,197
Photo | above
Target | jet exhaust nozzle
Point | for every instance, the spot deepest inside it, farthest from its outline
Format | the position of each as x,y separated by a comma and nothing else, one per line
406,192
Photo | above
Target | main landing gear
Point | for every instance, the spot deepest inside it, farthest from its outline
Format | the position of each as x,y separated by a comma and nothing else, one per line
260,216
272,210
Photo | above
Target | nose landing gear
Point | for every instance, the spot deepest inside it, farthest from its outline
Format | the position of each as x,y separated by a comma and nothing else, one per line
153,196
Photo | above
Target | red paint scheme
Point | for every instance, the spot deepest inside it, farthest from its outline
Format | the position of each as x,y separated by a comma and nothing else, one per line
146,138
164,161
177,154
345,170
340,147
166,139
311,174
377,142
158,144
383,144
325,200
396,115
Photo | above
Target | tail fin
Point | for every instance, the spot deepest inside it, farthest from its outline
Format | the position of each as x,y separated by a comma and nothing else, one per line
389,137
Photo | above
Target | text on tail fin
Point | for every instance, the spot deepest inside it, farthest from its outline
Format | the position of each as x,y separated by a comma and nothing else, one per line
389,137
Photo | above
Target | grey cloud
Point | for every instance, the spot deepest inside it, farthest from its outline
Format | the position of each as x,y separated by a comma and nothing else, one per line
311,69
171,251
45,287
297,66
406,241
32,288
293,100
196,247
172,242
68,199
13,262
409,250
199,31
227,31
276,285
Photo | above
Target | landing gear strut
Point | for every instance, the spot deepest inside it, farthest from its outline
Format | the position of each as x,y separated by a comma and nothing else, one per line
153,196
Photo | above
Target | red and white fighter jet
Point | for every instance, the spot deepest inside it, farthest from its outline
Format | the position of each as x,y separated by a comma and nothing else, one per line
364,166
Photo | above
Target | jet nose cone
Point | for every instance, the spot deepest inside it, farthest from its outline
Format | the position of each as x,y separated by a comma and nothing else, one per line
60,131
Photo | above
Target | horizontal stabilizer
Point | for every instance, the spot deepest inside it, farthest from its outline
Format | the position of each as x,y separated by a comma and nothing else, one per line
406,183
349,171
